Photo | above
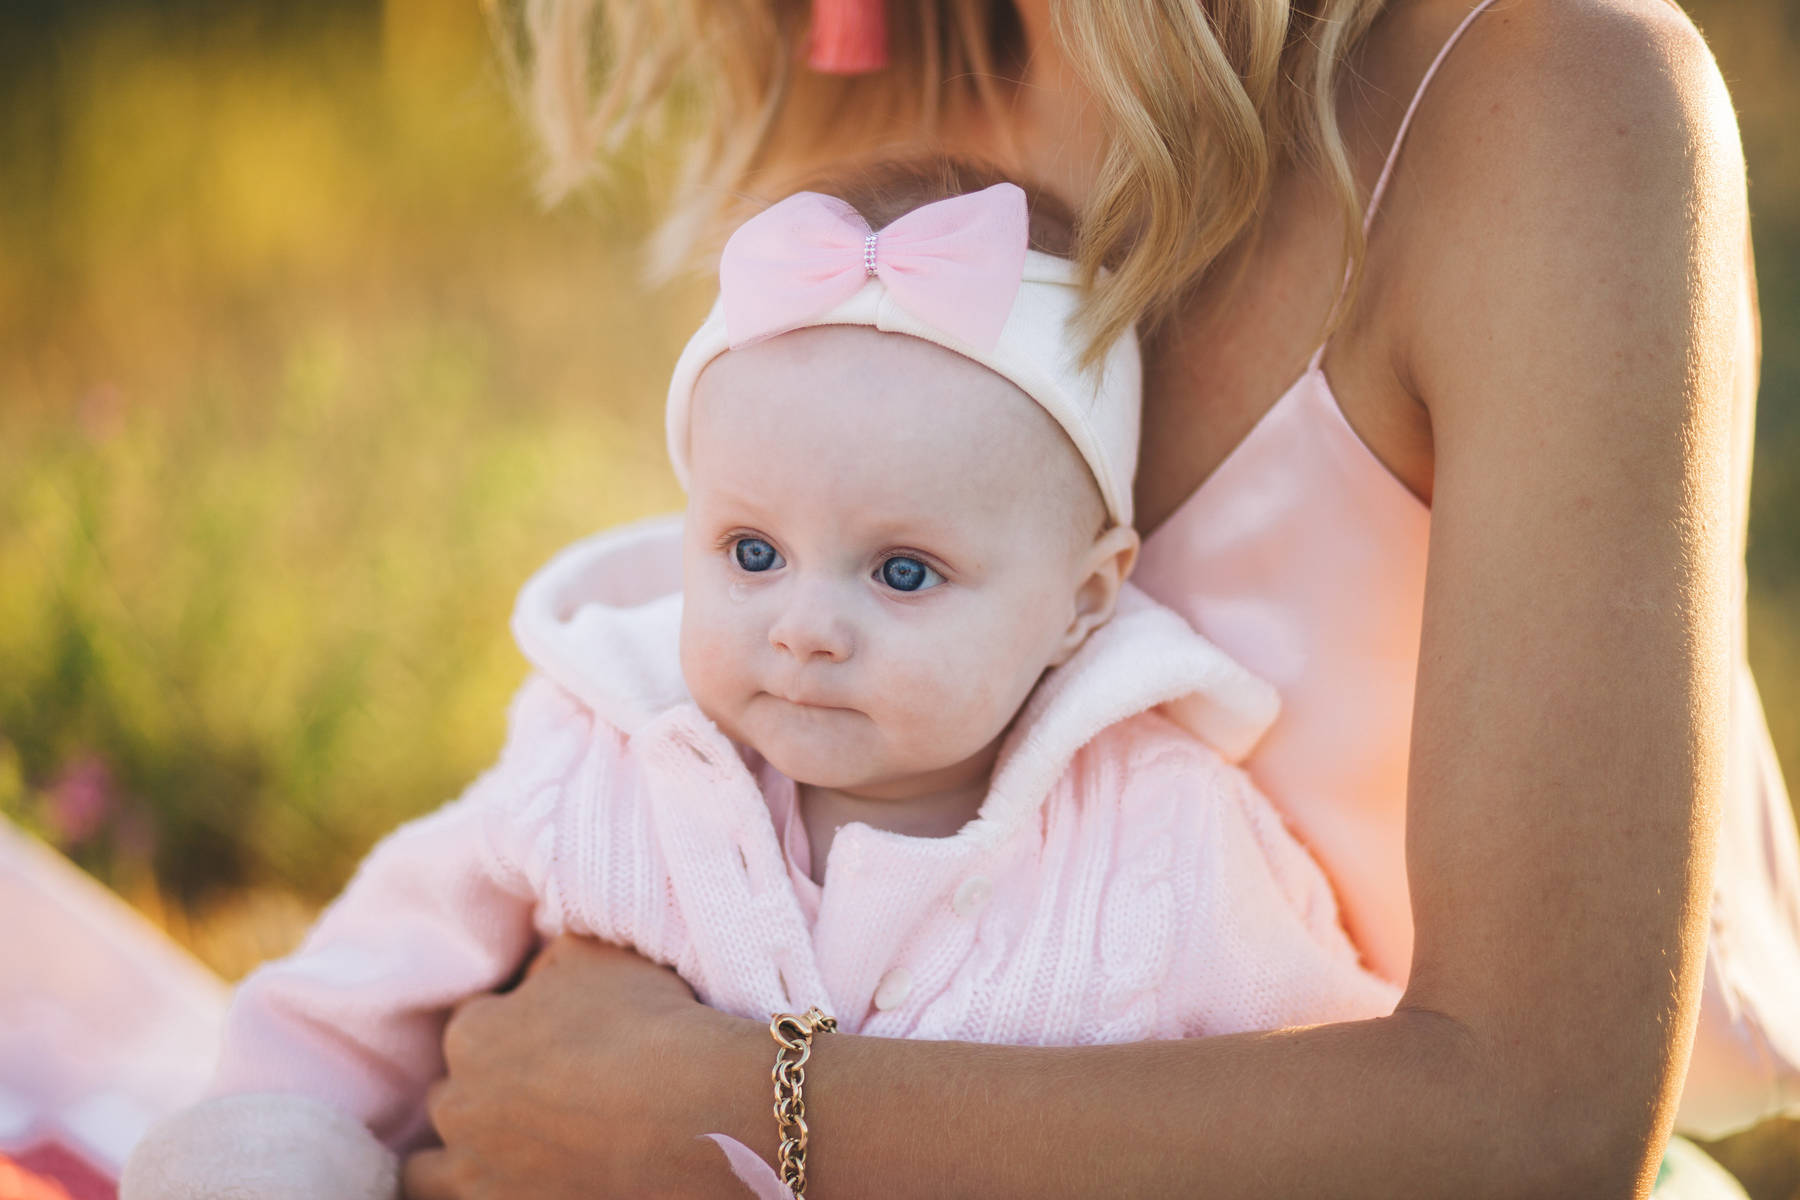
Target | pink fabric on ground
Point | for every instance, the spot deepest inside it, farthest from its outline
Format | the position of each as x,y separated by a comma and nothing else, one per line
105,1024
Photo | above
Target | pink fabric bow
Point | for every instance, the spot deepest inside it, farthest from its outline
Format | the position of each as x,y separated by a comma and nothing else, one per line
955,264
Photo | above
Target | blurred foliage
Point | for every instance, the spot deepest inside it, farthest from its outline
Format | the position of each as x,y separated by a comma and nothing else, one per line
297,384
1757,44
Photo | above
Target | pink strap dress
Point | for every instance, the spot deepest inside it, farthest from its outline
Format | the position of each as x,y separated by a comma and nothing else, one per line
1304,558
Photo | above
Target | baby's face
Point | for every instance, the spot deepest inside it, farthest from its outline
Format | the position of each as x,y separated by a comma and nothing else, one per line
883,549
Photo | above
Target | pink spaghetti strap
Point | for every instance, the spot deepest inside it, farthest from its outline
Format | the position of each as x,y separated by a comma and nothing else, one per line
1393,156
1387,168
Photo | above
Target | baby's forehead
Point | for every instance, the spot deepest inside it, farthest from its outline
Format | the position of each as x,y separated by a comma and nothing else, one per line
889,404
855,381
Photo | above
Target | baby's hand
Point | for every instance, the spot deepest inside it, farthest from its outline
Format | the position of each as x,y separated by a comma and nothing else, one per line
260,1147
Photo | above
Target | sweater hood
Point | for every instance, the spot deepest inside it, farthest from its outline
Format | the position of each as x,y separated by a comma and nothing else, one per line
603,618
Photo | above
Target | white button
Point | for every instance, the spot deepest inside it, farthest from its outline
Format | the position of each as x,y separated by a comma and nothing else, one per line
972,896
894,989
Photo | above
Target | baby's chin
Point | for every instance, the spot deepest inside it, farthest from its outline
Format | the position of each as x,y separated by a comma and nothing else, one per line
869,775
800,741
819,762
840,749
835,748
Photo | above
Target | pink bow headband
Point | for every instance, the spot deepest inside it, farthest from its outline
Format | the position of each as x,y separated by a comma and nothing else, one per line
956,264
958,273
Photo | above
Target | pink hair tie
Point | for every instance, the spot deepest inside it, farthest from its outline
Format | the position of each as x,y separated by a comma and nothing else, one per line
849,37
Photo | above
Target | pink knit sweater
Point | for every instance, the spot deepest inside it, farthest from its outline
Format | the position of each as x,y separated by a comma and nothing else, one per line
1122,880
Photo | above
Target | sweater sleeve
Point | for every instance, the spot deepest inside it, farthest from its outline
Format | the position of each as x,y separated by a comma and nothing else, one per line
437,912
352,1022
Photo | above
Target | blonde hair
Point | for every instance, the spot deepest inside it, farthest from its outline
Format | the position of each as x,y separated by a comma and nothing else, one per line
1203,100
884,191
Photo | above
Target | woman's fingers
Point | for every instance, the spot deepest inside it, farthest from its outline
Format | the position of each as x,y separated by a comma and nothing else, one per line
548,1089
439,1098
427,1175
463,1035
606,966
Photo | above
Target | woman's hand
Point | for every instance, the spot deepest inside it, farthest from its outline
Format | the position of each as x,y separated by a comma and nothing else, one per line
593,1078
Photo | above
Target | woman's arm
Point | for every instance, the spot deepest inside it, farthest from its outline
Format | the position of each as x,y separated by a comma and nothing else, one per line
1571,338
1577,337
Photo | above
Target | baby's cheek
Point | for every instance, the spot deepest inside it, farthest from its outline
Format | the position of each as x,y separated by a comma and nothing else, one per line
952,700
1014,650
712,657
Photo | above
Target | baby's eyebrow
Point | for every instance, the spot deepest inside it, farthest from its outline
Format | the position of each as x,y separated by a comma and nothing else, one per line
721,495
934,539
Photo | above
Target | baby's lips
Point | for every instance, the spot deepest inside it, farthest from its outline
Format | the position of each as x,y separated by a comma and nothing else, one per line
801,698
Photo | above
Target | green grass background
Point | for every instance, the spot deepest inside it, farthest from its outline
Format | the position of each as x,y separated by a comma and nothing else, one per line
297,383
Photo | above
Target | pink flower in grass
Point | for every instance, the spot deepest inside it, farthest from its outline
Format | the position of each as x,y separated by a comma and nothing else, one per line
81,801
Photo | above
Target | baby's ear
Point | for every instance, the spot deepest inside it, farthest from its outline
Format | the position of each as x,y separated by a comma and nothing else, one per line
1104,568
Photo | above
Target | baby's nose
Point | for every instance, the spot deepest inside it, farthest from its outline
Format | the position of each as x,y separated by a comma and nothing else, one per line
812,626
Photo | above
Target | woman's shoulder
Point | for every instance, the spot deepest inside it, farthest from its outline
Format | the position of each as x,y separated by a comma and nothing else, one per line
1553,50
1565,150
1578,92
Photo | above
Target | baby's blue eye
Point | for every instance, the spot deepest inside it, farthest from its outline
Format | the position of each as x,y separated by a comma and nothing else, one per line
754,554
905,574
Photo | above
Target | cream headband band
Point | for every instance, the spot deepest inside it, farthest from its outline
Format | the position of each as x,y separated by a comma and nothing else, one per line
956,273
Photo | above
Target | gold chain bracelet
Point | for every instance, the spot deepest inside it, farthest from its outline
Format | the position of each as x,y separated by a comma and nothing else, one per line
794,1035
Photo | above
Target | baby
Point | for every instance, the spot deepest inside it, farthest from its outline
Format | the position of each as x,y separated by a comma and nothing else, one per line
879,727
